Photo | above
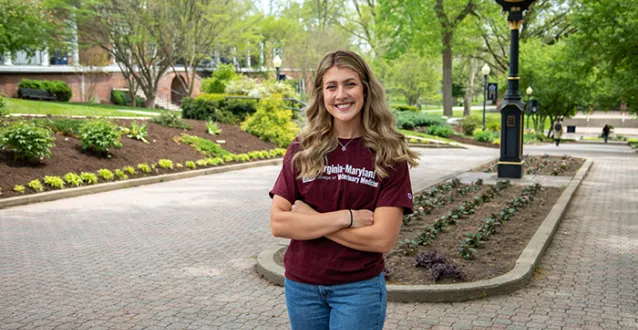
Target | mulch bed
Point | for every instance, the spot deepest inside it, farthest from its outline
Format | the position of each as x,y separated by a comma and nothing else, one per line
497,256
465,140
550,164
67,155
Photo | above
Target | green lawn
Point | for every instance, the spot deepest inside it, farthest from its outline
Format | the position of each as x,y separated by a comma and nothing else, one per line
427,136
73,109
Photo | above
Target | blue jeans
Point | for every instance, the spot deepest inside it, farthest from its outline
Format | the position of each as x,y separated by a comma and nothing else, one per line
351,306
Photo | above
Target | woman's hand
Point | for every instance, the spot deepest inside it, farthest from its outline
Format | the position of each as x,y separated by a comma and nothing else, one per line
362,218
301,207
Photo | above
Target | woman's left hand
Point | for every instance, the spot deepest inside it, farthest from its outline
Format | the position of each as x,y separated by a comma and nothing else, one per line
301,207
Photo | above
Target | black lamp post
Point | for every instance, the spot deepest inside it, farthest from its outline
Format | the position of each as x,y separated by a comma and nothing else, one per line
510,163
277,63
486,72
528,91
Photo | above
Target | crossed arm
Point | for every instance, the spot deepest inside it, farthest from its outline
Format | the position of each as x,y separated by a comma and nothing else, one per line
302,222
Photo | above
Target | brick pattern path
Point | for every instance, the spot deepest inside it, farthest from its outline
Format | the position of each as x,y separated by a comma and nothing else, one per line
181,255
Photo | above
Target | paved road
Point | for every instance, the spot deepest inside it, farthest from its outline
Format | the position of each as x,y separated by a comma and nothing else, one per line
181,254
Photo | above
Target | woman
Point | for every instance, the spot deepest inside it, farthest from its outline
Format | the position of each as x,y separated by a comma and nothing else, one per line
340,197
558,130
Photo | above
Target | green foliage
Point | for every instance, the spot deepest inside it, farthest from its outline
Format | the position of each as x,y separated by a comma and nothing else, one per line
403,107
36,185
241,86
414,76
201,162
442,131
222,76
105,174
19,188
144,168
73,179
410,120
99,135
217,107
278,89
483,136
272,123
54,182
165,163
28,141
89,178
65,126
242,158
204,146
129,169
4,110
123,98
211,128
120,174
170,119
191,164
469,125
137,132
57,88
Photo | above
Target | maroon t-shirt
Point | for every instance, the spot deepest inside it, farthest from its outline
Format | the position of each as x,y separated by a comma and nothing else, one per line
349,181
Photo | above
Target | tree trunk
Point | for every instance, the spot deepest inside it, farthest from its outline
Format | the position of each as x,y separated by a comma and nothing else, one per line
469,91
448,100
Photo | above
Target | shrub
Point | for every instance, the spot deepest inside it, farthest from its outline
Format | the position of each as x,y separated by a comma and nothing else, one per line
202,162
19,188
105,174
120,174
27,141
204,146
4,110
165,164
272,123
137,132
239,108
410,120
442,131
222,76
55,182
73,179
123,98
57,88
99,135
242,158
483,136
215,107
170,119
88,178
212,128
404,107
273,89
64,126
241,86
129,169
468,125
190,164
36,185
144,168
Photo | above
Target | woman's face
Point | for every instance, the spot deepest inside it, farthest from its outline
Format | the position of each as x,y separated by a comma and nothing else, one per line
343,94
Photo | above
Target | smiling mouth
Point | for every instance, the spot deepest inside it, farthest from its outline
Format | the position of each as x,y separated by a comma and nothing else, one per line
344,106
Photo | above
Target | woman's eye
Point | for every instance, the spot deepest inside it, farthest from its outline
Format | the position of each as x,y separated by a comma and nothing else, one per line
331,87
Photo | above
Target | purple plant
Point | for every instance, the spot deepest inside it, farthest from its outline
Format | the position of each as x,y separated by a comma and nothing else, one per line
429,258
447,270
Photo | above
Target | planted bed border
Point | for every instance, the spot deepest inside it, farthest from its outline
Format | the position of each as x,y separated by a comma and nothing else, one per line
103,187
509,282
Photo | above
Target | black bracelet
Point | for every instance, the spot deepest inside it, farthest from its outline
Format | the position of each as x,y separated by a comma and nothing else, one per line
350,218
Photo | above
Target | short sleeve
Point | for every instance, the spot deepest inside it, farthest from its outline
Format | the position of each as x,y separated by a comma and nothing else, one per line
286,186
396,189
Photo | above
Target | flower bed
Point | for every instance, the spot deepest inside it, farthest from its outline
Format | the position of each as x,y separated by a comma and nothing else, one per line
543,165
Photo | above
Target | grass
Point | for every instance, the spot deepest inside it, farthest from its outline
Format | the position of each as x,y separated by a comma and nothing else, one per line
72,109
427,136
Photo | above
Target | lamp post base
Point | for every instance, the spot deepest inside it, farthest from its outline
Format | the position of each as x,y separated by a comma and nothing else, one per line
510,170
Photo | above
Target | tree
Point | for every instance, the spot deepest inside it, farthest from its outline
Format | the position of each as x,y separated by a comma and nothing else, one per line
28,26
414,23
123,29
189,31
414,84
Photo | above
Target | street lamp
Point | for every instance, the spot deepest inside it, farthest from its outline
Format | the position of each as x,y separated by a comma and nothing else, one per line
486,72
277,63
528,91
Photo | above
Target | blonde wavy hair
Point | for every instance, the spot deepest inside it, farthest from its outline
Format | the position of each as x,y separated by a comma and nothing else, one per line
380,134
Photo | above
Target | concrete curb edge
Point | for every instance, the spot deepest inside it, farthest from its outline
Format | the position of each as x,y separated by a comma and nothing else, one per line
103,187
513,280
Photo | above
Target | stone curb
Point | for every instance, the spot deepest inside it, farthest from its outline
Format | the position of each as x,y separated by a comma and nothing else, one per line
103,187
506,283
435,146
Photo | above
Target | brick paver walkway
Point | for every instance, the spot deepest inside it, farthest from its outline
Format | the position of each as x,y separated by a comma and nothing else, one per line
182,254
